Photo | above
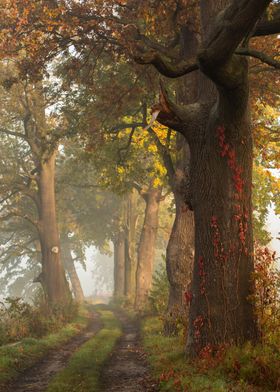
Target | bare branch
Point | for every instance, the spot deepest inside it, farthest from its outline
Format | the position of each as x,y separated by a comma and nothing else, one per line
30,220
126,147
26,123
121,127
8,196
86,186
17,247
11,133
165,154
31,195
260,56
15,213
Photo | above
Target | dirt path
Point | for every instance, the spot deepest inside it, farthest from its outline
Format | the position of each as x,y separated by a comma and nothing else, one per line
127,369
37,378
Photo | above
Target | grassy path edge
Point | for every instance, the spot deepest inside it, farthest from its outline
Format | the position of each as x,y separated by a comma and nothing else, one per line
239,369
170,367
14,359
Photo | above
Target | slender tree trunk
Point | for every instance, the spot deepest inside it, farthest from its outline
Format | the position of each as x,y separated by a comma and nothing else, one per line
70,269
52,270
119,265
130,245
146,248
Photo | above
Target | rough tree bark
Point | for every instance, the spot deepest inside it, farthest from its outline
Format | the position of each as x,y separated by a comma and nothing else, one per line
180,249
220,141
146,247
119,265
221,311
71,271
52,269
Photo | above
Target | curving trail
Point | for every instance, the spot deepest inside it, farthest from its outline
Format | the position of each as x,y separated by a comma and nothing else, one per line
37,378
127,369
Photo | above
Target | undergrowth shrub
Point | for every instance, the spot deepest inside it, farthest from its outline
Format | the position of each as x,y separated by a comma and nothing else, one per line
175,323
158,297
19,319
259,365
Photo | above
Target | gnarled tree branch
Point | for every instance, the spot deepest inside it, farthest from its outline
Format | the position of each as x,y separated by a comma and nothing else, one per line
216,58
165,65
181,118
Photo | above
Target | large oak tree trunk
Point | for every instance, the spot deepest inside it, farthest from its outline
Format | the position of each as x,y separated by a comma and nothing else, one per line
220,141
53,273
119,265
146,247
71,271
221,311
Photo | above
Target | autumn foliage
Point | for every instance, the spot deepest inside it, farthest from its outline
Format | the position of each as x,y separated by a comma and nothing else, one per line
267,294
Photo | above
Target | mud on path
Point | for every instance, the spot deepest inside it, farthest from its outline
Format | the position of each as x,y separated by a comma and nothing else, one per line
127,369
37,378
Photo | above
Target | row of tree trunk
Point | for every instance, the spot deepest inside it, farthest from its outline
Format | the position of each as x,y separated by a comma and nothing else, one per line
133,265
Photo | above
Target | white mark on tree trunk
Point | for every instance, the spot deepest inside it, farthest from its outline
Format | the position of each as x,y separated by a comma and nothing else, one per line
55,249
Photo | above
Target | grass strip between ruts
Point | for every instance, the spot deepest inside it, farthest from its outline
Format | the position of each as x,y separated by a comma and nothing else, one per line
82,373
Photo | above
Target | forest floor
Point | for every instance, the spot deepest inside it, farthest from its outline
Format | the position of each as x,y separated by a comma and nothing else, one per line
120,353
37,378
127,370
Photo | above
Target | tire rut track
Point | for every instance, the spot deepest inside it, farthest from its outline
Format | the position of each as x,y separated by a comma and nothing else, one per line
127,369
